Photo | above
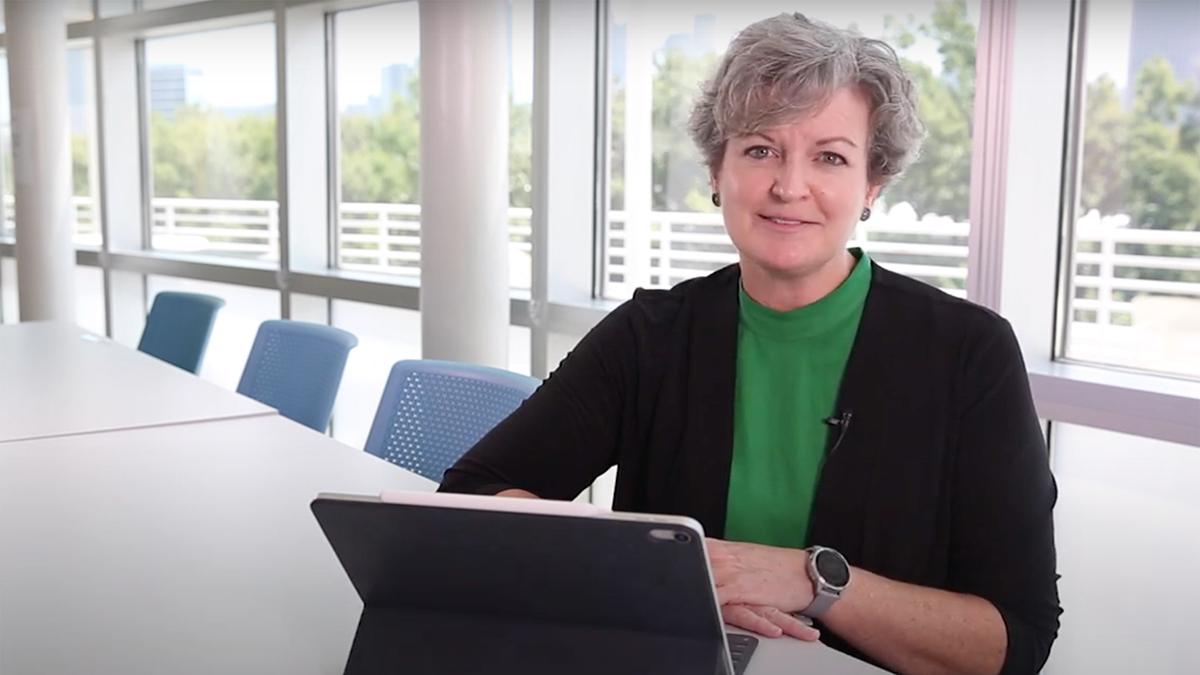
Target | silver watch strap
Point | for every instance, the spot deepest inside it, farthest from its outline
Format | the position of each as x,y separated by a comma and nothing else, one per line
821,602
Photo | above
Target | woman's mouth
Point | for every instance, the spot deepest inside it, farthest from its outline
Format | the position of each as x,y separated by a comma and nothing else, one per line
787,222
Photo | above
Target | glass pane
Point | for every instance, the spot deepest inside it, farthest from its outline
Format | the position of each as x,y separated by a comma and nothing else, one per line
9,309
81,101
519,349
1135,286
385,335
661,226
7,224
109,8
1125,526
235,327
212,142
520,144
78,10
378,103
89,299
81,115
379,130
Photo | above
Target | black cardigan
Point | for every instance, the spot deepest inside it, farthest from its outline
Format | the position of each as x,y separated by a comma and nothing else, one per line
941,478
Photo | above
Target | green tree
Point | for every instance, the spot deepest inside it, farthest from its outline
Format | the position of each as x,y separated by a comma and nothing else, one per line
381,156
81,186
616,150
199,152
680,180
940,180
520,154
1104,182
1164,167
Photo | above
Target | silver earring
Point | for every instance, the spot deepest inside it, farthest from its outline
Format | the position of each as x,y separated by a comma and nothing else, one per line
865,214
716,199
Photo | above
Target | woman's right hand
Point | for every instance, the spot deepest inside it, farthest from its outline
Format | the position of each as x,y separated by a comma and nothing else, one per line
517,492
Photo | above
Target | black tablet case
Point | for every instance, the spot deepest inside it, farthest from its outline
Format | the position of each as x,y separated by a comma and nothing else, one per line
448,590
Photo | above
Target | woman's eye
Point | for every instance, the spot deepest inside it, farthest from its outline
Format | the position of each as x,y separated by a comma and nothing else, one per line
758,152
833,158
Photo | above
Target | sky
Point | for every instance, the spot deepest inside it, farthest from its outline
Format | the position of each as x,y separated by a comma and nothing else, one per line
241,72
1108,32
664,18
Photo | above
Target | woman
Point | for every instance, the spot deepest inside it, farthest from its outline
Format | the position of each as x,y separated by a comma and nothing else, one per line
806,397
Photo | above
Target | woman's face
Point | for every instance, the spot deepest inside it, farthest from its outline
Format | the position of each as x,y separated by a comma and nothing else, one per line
792,194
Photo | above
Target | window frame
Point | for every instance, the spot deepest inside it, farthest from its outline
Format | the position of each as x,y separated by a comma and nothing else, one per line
1030,49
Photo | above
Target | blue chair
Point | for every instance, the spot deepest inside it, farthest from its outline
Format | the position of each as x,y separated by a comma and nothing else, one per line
178,327
432,412
296,367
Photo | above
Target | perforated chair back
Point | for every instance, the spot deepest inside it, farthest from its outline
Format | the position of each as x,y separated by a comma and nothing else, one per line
296,368
178,327
432,412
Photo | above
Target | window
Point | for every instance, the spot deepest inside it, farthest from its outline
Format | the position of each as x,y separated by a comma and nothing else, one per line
9,309
377,75
236,325
210,101
7,224
661,227
385,335
378,104
1134,285
89,298
81,114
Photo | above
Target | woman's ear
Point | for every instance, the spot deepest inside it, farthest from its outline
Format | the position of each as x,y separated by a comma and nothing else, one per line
873,194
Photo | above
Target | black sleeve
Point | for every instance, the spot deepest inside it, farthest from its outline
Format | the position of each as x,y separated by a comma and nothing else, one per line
1002,538
567,433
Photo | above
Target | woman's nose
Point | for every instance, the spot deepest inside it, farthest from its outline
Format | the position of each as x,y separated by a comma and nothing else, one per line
791,183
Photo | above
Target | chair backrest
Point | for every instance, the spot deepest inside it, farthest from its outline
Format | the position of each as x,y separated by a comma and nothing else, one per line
178,327
296,367
432,412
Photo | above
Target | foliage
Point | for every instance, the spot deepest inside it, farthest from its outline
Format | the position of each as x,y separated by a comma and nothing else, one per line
939,181
199,152
1141,155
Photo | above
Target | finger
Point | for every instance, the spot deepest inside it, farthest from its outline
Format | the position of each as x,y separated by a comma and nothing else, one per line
742,617
790,625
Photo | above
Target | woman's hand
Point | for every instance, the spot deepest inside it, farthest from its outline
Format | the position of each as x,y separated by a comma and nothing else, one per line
769,621
518,493
759,586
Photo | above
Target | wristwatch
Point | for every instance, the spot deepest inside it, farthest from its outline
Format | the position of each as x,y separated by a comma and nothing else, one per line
830,574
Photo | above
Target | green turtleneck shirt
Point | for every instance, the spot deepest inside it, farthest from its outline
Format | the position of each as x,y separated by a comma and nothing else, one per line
789,369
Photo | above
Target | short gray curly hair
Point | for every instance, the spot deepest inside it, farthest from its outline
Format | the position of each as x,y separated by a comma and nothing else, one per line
787,65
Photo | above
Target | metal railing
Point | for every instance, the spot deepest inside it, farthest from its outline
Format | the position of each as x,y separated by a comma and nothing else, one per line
1114,263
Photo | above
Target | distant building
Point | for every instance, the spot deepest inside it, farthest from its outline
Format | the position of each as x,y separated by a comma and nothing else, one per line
1167,29
393,82
168,88
697,43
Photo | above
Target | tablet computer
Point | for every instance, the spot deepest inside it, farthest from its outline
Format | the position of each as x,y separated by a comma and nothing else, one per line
471,584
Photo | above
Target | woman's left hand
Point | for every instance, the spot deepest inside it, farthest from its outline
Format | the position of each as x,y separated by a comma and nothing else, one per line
768,621
752,574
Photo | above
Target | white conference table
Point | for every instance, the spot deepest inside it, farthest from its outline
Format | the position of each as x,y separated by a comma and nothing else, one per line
58,379
191,549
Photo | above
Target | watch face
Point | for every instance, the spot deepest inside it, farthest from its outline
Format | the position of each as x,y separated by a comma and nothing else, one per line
832,568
